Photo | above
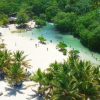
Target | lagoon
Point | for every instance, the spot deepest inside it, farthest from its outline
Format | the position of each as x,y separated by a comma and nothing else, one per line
50,33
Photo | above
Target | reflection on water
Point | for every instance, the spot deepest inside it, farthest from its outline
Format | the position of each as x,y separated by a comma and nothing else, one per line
50,33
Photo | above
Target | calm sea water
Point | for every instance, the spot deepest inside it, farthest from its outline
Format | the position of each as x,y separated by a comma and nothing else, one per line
50,33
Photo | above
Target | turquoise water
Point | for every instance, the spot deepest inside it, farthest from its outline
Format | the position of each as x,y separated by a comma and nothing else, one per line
50,33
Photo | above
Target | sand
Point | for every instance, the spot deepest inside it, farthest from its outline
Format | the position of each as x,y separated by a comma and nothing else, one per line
40,56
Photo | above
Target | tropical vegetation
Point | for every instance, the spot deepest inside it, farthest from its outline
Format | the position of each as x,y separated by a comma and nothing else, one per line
12,67
77,17
15,75
62,47
5,62
40,22
73,79
42,39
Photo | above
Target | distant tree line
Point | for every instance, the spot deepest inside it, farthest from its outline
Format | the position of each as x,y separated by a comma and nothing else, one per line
81,18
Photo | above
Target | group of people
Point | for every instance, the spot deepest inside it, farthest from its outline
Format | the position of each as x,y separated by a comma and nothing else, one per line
37,45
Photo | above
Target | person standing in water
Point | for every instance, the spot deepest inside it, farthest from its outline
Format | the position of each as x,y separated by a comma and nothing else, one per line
51,41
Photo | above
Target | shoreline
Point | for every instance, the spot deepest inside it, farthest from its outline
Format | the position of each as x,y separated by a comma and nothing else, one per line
40,57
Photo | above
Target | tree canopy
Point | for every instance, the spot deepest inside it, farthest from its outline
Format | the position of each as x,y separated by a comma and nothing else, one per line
73,79
81,18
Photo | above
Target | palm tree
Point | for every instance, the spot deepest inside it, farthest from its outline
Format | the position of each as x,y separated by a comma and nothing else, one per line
62,47
39,77
71,80
42,39
96,73
65,83
16,75
57,83
5,61
19,57
87,81
74,54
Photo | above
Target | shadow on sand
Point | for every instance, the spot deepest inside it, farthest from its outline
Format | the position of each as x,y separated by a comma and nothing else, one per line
12,91
35,96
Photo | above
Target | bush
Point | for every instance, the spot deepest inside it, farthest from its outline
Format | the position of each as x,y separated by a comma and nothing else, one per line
22,18
73,79
42,40
65,22
40,22
62,47
4,19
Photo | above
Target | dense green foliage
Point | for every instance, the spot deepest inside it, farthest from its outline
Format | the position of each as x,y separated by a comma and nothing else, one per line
65,22
40,22
79,17
89,30
82,19
3,19
62,47
12,67
15,74
42,39
72,80
22,18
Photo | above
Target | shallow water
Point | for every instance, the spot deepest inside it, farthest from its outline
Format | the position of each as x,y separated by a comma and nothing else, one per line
50,33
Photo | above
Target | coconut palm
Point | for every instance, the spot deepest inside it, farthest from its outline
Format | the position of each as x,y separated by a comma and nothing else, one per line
74,54
58,83
5,61
62,47
39,77
42,39
45,83
87,83
96,73
65,83
71,80
84,73
16,75
19,57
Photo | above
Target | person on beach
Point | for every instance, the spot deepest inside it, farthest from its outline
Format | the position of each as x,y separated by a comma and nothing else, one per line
47,49
36,45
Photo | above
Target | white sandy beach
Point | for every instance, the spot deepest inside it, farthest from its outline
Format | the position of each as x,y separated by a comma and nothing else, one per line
39,57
